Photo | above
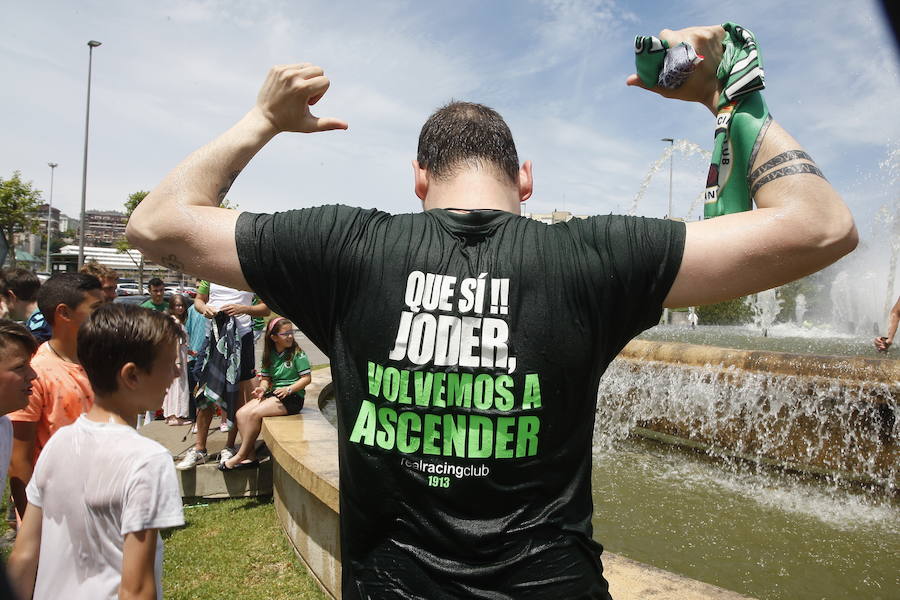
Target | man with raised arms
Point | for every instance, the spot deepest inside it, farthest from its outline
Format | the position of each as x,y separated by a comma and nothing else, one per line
523,318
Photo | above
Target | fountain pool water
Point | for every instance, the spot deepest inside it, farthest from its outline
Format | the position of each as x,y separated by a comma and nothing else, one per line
774,475
754,531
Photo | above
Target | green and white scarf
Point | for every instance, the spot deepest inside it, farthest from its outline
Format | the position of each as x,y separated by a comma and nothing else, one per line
742,113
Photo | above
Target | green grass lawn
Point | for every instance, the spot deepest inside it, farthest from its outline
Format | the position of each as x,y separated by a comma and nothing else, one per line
230,549
233,549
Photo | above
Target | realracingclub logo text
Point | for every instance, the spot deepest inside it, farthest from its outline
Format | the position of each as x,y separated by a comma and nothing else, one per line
444,468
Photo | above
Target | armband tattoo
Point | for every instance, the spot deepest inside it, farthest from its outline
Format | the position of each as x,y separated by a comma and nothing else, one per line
779,160
796,169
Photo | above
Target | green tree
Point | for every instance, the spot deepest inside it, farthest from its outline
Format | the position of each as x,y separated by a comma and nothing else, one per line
17,200
122,246
130,204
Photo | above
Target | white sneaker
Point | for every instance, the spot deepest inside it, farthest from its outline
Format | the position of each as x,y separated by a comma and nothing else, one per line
193,458
226,453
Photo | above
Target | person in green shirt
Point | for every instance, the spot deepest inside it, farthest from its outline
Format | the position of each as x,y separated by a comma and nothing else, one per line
156,302
285,375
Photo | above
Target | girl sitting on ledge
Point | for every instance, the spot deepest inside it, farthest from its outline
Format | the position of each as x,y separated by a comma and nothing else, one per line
285,373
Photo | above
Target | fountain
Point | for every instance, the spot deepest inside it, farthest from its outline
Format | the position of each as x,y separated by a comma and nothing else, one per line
763,464
765,307
799,308
686,149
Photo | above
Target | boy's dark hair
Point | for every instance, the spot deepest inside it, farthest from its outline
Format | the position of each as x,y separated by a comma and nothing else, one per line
24,283
156,281
64,288
116,334
14,333
467,134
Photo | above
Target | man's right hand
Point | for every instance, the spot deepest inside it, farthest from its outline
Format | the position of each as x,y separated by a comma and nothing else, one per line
702,85
287,94
882,344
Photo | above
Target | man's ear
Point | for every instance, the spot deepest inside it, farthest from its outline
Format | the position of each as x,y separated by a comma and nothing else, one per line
526,181
62,312
420,180
128,376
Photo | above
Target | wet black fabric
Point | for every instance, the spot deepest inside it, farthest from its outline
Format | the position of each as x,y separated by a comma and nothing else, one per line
466,350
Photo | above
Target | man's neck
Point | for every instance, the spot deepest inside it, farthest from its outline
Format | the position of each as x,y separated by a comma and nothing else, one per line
64,345
23,311
112,409
472,190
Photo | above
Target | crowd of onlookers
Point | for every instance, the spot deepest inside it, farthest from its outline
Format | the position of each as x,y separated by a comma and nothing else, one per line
78,373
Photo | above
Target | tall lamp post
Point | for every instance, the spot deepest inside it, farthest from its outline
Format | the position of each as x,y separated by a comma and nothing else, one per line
671,161
87,119
52,166
669,211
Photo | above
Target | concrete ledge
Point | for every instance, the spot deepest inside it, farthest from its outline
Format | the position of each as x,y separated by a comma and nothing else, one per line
853,369
821,415
305,451
206,480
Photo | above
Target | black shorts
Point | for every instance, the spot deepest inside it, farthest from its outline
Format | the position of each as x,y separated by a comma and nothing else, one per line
248,357
293,403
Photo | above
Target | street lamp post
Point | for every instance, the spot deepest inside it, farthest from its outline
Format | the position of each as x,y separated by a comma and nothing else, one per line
671,161
669,211
87,119
52,166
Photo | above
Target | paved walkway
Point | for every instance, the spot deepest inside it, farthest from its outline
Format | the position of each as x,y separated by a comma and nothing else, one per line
206,480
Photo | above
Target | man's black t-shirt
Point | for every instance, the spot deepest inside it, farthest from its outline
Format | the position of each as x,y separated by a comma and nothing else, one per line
466,351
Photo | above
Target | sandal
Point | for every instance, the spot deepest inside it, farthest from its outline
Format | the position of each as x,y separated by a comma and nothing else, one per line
250,464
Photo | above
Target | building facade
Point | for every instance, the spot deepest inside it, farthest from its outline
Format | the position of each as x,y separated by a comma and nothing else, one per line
104,227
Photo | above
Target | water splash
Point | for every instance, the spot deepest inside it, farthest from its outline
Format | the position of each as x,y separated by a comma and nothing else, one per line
685,148
799,308
765,308
856,301
845,428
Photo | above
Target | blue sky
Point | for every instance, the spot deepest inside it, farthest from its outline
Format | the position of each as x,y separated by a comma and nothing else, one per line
172,74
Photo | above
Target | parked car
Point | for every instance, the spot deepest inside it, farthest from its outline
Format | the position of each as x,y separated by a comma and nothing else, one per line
139,298
189,291
130,289
132,299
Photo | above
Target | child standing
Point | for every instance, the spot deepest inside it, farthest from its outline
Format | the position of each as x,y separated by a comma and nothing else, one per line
101,491
285,375
17,346
176,402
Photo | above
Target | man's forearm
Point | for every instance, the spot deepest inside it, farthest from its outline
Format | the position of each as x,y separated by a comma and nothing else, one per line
801,225
184,205
206,175
258,310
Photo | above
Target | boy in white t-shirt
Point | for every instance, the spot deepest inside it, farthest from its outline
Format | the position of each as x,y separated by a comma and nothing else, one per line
17,346
100,491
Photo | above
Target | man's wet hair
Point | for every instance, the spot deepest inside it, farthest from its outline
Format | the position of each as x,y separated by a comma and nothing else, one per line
116,334
155,282
14,334
24,283
464,135
64,288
